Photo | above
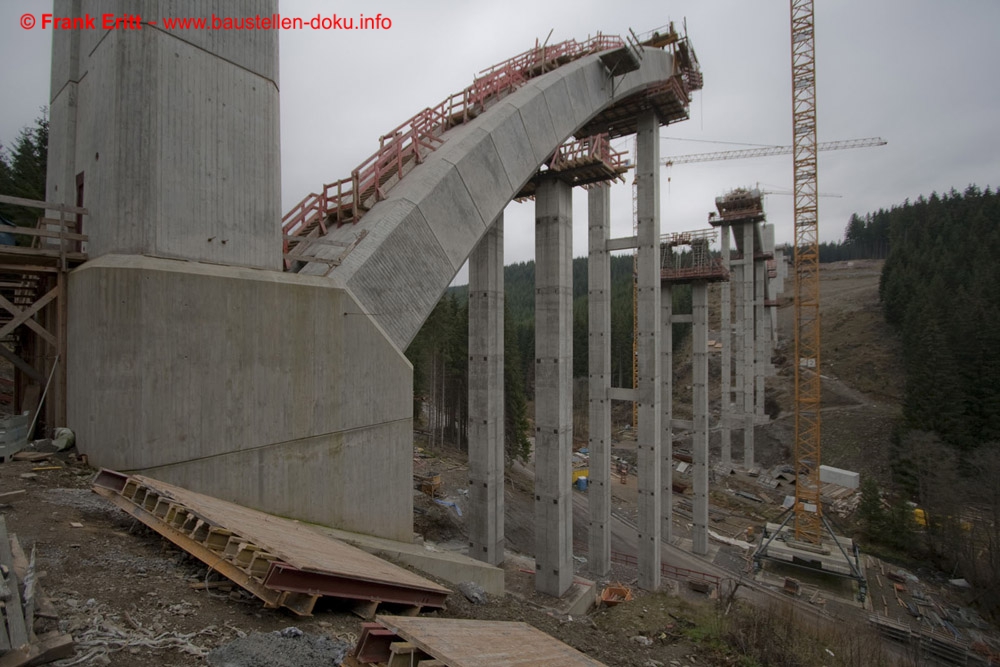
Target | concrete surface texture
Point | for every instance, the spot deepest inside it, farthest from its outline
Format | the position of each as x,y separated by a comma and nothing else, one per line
172,140
699,407
448,565
553,386
599,378
486,397
749,353
267,389
667,411
726,361
648,347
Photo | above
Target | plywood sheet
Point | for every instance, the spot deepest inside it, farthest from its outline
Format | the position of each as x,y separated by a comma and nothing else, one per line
472,643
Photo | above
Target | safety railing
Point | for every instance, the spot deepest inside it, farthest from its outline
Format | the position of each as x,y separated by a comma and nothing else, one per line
406,146
594,148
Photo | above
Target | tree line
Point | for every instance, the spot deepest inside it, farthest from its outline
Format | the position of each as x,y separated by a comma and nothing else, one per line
23,167
940,292
440,359
865,237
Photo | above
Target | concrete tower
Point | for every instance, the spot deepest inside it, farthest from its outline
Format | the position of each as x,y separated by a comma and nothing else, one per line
170,137
191,356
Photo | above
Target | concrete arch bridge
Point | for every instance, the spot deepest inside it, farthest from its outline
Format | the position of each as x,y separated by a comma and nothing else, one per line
300,402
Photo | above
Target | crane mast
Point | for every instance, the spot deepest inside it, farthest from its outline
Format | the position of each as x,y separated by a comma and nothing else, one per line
808,518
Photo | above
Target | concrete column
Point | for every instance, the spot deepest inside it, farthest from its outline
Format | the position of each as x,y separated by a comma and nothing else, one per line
648,330
739,364
599,369
553,387
699,377
748,346
761,337
667,412
726,334
486,397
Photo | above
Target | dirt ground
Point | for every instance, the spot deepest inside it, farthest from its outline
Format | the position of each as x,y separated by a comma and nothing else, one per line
128,598
126,594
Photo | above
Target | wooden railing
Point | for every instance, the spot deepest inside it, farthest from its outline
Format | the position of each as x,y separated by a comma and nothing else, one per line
405,146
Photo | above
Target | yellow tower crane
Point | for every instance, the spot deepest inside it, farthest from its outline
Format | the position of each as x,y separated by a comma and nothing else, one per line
808,508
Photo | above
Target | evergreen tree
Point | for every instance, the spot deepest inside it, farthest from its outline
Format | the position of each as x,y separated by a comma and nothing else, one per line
516,444
871,514
22,171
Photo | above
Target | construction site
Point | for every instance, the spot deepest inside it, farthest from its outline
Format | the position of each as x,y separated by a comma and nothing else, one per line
212,454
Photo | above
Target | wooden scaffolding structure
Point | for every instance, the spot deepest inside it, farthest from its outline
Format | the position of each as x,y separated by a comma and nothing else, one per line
33,306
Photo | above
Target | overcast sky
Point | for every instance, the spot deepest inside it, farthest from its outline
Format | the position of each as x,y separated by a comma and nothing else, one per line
919,73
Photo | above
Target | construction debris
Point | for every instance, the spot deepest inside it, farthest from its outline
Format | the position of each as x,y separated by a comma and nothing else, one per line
100,632
282,562
614,594
20,595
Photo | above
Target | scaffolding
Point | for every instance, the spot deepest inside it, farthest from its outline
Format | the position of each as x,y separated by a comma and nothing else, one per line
697,265
581,162
33,308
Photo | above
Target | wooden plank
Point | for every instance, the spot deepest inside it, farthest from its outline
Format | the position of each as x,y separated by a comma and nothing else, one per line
34,231
26,268
16,630
32,457
21,364
473,643
50,647
34,203
30,595
20,560
10,251
24,316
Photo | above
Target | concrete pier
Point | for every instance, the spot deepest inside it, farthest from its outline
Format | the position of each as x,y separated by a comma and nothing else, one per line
667,410
726,358
739,352
553,387
699,374
762,343
599,370
749,355
486,397
648,345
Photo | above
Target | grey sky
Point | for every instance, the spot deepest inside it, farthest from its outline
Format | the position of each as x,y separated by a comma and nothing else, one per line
916,72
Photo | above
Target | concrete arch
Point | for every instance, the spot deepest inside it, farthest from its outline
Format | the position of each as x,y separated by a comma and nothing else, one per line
421,234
